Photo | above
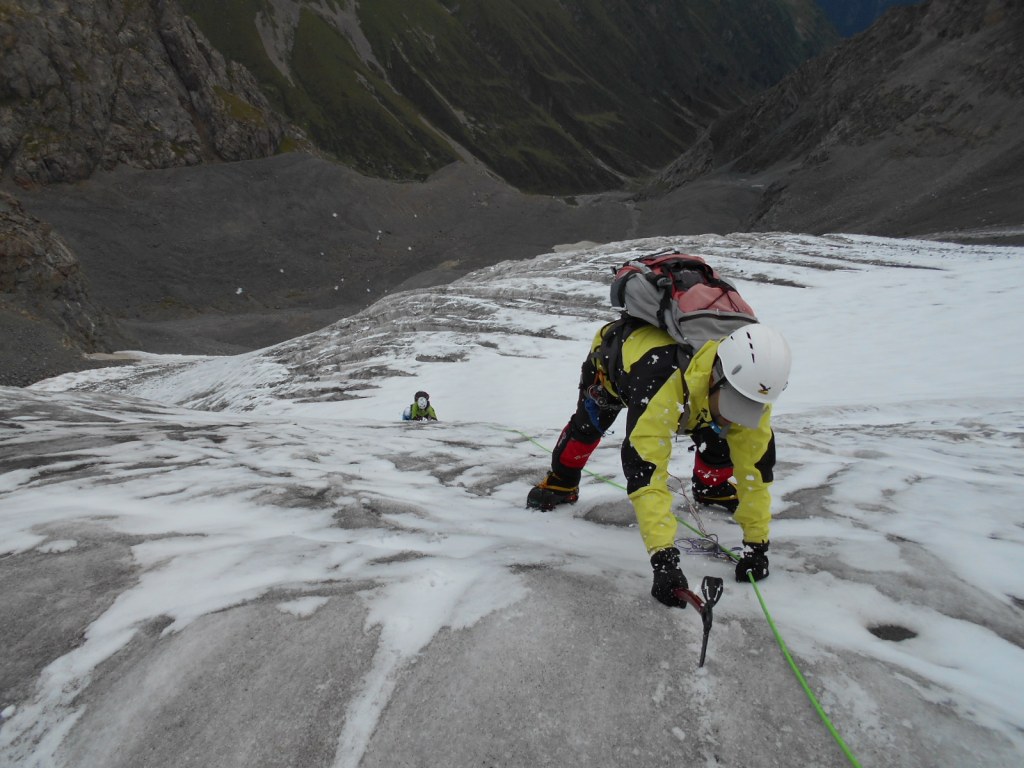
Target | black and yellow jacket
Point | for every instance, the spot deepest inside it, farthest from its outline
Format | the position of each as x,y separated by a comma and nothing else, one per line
661,400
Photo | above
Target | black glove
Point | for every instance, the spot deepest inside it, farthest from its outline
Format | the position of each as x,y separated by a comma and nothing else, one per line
668,577
753,559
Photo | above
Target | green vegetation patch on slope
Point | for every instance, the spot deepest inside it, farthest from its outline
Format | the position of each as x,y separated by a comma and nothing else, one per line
348,110
364,122
452,66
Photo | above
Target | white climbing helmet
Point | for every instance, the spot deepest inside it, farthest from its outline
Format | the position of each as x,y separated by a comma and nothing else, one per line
755,361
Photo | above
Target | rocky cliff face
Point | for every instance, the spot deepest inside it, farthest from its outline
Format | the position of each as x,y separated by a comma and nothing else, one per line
92,85
45,311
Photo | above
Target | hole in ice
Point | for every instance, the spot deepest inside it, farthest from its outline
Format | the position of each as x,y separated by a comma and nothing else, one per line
892,632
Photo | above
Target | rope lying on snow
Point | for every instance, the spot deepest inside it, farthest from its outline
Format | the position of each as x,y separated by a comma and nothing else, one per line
707,543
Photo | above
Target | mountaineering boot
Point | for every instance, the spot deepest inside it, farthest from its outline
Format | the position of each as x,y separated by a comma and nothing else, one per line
712,471
753,559
723,494
668,577
551,492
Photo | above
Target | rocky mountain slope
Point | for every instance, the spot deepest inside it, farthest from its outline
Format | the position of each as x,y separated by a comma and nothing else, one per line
907,129
912,127
572,95
555,97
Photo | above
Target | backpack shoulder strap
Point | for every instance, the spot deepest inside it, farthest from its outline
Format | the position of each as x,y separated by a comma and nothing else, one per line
607,355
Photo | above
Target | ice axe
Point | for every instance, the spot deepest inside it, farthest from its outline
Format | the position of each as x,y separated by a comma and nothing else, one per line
712,588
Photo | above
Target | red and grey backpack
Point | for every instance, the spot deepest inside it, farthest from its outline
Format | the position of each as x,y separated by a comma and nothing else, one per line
682,295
